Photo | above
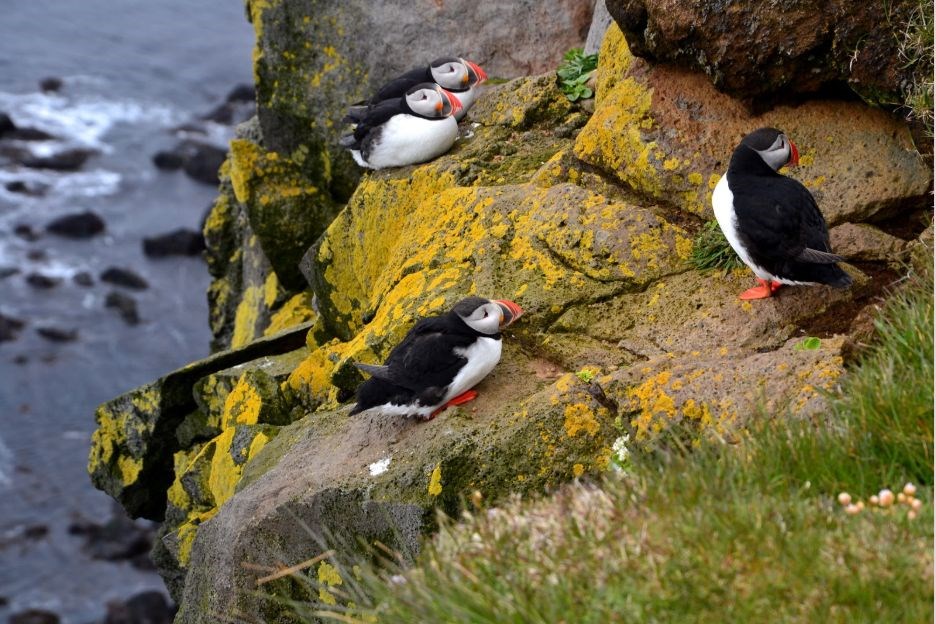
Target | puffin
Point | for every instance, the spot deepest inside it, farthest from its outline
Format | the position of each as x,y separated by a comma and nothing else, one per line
455,75
439,361
414,128
772,221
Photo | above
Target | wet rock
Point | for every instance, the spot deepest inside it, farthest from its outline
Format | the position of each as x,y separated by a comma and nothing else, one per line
150,607
50,84
668,134
37,255
10,327
84,279
125,305
181,242
32,189
120,539
40,280
35,134
57,334
78,225
241,93
68,160
26,232
123,277
34,616
168,160
6,124
802,46
6,272
203,162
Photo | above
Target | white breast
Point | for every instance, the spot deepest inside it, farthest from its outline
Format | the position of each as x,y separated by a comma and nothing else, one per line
723,204
408,140
482,357
467,98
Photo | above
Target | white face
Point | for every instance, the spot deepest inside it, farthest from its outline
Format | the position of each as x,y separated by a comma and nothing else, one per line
428,103
485,319
778,154
451,75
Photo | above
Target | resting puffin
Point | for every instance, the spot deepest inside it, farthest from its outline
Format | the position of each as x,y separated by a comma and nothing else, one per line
414,128
439,360
772,221
453,74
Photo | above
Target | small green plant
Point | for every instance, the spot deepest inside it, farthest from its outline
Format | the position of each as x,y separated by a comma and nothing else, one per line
711,250
586,374
575,71
809,344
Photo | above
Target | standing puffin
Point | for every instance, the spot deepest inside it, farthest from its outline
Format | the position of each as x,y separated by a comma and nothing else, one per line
413,128
772,221
439,360
453,74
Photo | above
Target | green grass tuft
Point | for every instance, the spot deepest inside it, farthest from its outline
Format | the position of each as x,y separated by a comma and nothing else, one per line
710,250
915,40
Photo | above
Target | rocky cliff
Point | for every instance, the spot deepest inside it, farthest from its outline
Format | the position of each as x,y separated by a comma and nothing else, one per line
585,215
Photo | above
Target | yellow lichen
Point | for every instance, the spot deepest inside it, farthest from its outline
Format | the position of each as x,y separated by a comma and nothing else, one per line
579,417
328,576
242,405
435,481
246,317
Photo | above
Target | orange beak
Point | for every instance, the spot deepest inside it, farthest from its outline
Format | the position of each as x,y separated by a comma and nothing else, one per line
454,103
794,155
478,71
511,311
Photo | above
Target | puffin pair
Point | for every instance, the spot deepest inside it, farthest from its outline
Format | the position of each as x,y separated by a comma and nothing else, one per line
772,221
413,118
439,361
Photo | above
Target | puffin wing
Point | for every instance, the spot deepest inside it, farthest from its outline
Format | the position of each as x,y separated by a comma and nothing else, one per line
398,86
370,119
779,217
426,357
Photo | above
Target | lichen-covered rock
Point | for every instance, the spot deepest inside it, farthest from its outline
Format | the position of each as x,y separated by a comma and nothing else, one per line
668,134
759,49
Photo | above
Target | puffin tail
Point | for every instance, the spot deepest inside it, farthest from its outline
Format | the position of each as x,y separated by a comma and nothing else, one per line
356,114
832,275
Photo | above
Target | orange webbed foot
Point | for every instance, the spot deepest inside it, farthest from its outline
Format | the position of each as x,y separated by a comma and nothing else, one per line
461,399
763,290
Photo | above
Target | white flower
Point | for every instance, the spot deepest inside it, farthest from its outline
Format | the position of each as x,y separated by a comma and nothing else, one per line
619,448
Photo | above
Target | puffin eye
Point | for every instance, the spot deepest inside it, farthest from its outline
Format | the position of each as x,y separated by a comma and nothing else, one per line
485,314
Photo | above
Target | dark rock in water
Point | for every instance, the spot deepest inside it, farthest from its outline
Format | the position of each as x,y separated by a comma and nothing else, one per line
34,616
21,359
69,160
50,84
6,124
37,255
203,163
33,134
242,93
149,607
168,161
83,278
124,277
77,225
38,280
4,601
181,242
6,272
10,328
56,334
119,539
26,232
36,531
33,189
125,305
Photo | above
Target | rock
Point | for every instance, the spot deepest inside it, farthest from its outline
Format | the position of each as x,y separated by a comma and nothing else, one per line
6,124
37,255
83,278
26,232
57,334
203,162
168,160
668,134
123,277
120,539
181,242
50,84
241,93
802,46
39,280
601,20
861,241
68,160
64,161
32,189
77,225
10,328
125,305
6,272
149,607
34,616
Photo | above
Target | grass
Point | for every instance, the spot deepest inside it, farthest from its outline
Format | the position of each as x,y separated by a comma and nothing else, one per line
744,532
710,250
915,41
574,73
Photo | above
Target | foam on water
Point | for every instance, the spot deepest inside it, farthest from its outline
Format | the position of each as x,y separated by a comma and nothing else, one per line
6,465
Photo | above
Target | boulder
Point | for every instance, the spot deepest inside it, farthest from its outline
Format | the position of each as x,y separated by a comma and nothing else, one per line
802,46
10,327
203,162
125,305
34,616
180,242
26,232
31,189
68,160
168,160
50,84
83,279
863,241
124,278
57,334
77,225
149,607
668,134
42,281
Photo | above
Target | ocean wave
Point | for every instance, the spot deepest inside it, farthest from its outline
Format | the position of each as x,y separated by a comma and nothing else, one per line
94,183
6,465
